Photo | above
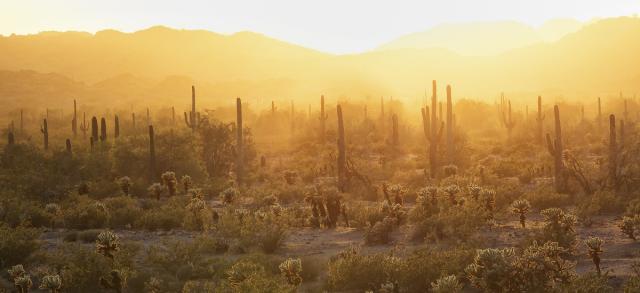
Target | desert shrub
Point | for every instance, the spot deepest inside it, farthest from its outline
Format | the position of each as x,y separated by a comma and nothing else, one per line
17,244
88,236
266,229
633,208
245,276
85,213
166,216
312,268
352,270
545,197
630,225
124,211
450,222
379,233
590,283
199,216
81,267
424,266
208,243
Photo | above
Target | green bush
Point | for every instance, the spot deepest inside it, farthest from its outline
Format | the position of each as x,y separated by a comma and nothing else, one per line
85,213
352,270
545,197
124,211
17,244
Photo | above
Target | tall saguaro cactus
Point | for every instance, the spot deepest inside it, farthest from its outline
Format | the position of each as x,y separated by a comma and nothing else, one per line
555,150
193,120
613,153
449,126
395,137
323,118
507,120
74,121
10,138
599,115
432,132
342,155
240,143
68,146
116,126
94,129
45,133
382,113
84,126
152,155
103,130
539,121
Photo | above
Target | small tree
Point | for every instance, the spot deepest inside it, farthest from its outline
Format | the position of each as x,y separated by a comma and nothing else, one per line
521,207
595,249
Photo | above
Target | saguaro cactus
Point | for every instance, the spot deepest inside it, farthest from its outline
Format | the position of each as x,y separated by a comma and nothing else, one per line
152,155
323,119
193,118
449,126
613,153
240,144
133,121
432,132
626,109
68,146
599,115
539,120
103,130
116,126
44,128
395,137
94,129
84,126
507,120
555,149
10,138
342,156
74,121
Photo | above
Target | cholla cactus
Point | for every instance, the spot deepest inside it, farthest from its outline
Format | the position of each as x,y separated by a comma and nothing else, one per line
55,211
491,269
170,181
156,189
559,227
228,195
595,249
521,207
242,271
446,284
196,204
107,244
125,184
474,190
451,191
397,191
196,193
53,283
154,285
23,284
16,272
186,183
489,199
629,225
290,270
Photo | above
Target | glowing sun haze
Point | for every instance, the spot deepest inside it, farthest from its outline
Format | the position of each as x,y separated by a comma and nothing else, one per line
337,26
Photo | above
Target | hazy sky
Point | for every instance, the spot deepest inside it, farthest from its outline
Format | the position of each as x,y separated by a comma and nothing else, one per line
339,26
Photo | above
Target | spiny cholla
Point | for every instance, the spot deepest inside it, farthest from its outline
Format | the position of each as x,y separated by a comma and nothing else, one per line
446,284
107,244
595,249
125,184
474,190
629,225
16,271
53,283
451,191
186,183
242,271
170,181
521,207
291,269
156,190
23,283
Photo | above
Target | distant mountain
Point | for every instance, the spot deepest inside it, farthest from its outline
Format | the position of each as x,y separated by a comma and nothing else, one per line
158,65
483,38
